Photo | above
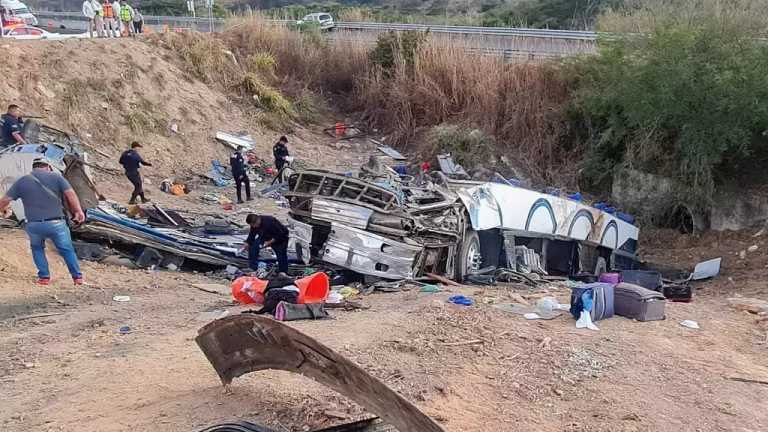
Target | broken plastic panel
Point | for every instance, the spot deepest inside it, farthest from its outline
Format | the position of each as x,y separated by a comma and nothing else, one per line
706,269
240,344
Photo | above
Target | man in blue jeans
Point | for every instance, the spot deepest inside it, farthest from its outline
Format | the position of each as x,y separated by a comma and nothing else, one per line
43,193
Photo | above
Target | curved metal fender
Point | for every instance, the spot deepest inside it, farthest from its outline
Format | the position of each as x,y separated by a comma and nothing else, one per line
240,344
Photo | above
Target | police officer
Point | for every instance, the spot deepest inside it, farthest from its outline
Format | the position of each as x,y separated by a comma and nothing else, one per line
13,126
280,151
131,160
267,231
240,173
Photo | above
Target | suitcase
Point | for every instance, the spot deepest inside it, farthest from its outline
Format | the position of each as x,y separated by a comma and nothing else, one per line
602,300
678,292
636,302
648,279
611,278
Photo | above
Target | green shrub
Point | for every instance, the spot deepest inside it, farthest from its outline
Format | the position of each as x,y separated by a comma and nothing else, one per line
392,47
684,102
469,147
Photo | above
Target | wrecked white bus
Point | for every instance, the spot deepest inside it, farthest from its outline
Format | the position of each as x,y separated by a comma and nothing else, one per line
381,226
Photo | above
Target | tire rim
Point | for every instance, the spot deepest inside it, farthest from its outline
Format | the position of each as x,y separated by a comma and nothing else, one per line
473,258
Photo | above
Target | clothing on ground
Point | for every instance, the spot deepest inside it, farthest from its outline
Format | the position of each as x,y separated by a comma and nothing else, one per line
270,229
11,125
39,204
58,233
131,161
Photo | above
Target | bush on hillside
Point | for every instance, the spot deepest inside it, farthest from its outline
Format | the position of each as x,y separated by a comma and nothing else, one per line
684,102
393,47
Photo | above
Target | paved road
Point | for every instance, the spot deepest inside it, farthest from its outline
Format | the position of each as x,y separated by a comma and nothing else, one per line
511,43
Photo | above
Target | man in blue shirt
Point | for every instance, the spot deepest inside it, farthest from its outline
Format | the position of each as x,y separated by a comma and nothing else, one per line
13,127
43,194
131,160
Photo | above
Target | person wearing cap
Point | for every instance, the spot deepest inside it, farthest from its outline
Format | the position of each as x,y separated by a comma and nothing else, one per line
13,127
240,174
44,195
131,160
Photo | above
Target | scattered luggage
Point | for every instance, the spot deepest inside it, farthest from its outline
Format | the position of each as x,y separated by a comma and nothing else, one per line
645,278
678,292
286,311
602,300
635,302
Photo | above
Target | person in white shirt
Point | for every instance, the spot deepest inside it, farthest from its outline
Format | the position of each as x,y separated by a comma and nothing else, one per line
116,8
92,11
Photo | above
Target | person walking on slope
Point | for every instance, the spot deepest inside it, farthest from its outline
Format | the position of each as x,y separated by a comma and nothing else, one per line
126,18
43,194
131,160
240,173
110,26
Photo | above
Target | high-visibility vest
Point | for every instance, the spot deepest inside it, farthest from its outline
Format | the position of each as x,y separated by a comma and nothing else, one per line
108,13
125,14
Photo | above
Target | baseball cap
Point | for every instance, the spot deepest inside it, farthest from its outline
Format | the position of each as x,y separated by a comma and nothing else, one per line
41,160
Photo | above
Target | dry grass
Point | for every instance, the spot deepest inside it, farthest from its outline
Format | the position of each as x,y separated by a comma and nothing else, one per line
644,16
521,105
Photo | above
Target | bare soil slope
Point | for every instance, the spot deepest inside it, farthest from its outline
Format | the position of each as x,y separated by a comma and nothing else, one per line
111,92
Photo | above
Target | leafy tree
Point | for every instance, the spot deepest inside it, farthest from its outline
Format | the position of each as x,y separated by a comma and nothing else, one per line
683,102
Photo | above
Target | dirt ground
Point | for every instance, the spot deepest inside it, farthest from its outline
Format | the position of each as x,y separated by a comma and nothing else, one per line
75,371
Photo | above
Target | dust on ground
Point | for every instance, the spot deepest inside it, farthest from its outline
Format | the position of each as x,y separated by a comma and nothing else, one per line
472,368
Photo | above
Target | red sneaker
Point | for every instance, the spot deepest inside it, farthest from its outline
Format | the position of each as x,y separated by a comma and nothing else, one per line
43,281
78,280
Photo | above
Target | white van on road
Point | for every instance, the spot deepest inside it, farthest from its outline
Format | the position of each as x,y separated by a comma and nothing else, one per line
18,9
325,20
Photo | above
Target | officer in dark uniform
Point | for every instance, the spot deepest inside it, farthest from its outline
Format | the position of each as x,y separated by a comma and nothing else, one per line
267,231
280,151
13,127
131,160
240,173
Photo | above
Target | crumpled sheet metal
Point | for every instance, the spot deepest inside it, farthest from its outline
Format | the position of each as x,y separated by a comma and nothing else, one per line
369,253
239,344
334,211
301,235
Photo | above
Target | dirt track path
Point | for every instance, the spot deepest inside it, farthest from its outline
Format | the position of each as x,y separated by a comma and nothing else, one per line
75,372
